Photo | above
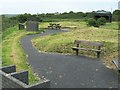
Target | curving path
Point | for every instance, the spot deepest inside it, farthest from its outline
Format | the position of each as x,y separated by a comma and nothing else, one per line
69,71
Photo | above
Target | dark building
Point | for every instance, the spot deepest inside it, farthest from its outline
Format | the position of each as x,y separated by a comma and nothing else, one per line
101,13
32,26
21,26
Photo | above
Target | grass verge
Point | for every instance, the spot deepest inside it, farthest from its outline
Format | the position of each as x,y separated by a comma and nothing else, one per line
12,52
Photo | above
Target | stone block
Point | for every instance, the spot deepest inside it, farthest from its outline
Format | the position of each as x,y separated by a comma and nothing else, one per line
32,26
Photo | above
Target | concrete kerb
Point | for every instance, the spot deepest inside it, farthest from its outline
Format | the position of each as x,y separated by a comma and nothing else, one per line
42,84
22,76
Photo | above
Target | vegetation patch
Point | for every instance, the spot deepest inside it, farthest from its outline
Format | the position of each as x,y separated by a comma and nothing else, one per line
96,23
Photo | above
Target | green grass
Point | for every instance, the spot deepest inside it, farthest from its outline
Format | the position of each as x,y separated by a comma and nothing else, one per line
12,53
113,25
62,43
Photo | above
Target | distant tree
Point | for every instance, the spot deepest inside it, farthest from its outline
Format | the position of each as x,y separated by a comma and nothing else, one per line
116,12
13,18
116,15
49,14
65,13
81,14
23,17
71,12
8,22
89,14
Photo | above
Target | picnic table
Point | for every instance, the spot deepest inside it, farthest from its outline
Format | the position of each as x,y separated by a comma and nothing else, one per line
54,26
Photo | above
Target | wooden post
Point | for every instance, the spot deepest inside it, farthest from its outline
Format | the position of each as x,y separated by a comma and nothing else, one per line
77,51
98,53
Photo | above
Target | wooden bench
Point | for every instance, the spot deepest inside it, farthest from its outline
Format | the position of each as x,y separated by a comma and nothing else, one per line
88,43
56,26
117,64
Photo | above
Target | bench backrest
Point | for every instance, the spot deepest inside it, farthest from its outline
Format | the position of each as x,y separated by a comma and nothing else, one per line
88,43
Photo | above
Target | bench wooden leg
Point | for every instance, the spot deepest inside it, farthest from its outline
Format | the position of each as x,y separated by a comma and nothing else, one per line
98,54
77,51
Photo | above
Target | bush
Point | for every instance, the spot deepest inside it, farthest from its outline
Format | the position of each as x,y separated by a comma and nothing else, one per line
96,23
101,21
93,22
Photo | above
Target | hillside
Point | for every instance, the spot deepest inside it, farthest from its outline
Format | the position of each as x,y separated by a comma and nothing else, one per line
10,15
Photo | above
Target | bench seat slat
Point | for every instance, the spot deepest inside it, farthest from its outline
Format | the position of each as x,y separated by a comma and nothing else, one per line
87,49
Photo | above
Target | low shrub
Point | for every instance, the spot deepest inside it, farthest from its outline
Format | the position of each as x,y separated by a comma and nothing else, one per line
101,21
92,22
96,23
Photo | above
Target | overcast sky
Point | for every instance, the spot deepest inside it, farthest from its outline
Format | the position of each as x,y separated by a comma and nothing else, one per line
51,6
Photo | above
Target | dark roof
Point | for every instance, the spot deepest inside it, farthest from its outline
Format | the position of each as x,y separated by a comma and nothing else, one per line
102,12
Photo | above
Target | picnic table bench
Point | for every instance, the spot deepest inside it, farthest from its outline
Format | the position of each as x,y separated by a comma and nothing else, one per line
54,26
88,43
117,64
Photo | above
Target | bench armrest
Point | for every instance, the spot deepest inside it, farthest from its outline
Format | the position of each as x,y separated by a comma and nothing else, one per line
116,62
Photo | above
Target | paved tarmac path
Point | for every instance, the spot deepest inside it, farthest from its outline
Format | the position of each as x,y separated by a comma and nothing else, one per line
69,71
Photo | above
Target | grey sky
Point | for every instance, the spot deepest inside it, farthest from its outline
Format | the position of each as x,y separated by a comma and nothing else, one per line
51,6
